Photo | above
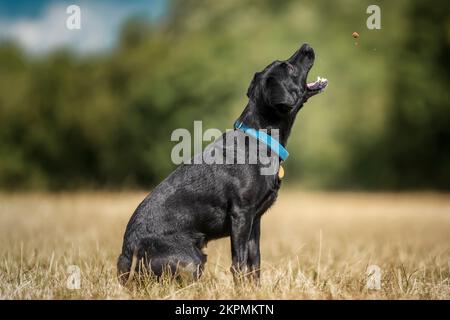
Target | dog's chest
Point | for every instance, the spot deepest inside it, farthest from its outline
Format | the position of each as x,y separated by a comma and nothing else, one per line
268,199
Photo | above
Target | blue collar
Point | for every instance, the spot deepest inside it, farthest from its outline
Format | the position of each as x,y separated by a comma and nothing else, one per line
265,138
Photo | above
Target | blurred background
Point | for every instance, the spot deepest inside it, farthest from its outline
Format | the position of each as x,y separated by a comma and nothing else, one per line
94,108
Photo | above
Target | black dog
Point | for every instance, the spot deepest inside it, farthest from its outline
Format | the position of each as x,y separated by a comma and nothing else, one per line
200,202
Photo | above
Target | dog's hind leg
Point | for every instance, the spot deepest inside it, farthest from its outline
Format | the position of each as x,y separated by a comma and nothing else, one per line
179,260
173,255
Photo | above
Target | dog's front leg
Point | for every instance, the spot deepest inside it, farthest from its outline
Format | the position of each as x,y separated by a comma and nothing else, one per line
254,256
241,226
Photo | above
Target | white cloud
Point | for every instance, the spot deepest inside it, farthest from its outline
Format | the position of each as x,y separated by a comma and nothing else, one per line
99,26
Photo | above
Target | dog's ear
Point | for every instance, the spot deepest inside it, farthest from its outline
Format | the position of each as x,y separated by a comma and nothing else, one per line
277,95
253,85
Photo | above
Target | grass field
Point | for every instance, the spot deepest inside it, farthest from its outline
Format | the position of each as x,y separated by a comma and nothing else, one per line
314,246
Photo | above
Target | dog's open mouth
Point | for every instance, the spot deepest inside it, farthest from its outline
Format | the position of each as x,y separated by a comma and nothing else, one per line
317,86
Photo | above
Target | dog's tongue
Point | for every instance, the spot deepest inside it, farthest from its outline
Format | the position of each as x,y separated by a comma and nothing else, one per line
319,85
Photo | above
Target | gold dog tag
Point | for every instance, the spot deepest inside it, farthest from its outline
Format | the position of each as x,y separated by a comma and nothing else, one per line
280,172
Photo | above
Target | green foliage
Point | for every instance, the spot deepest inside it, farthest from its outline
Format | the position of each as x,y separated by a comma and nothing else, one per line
413,150
105,121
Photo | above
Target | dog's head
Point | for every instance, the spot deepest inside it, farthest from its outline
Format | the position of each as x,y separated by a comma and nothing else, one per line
282,84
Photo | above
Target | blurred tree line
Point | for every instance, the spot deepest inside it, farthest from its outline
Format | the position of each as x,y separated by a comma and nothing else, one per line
104,120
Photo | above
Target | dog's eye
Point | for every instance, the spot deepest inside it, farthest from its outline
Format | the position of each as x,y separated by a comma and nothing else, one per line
290,68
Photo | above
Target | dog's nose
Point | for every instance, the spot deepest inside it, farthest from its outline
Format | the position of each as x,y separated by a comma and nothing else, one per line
303,55
307,50
305,47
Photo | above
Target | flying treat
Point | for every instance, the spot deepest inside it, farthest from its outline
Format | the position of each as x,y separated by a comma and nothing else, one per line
355,35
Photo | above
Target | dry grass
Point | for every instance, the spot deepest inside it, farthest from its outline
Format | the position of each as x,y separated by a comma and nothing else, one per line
314,246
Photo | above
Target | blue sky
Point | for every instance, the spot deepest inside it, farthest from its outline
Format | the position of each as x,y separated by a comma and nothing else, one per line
39,26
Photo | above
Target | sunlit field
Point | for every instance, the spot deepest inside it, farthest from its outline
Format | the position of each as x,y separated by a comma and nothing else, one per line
314,246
